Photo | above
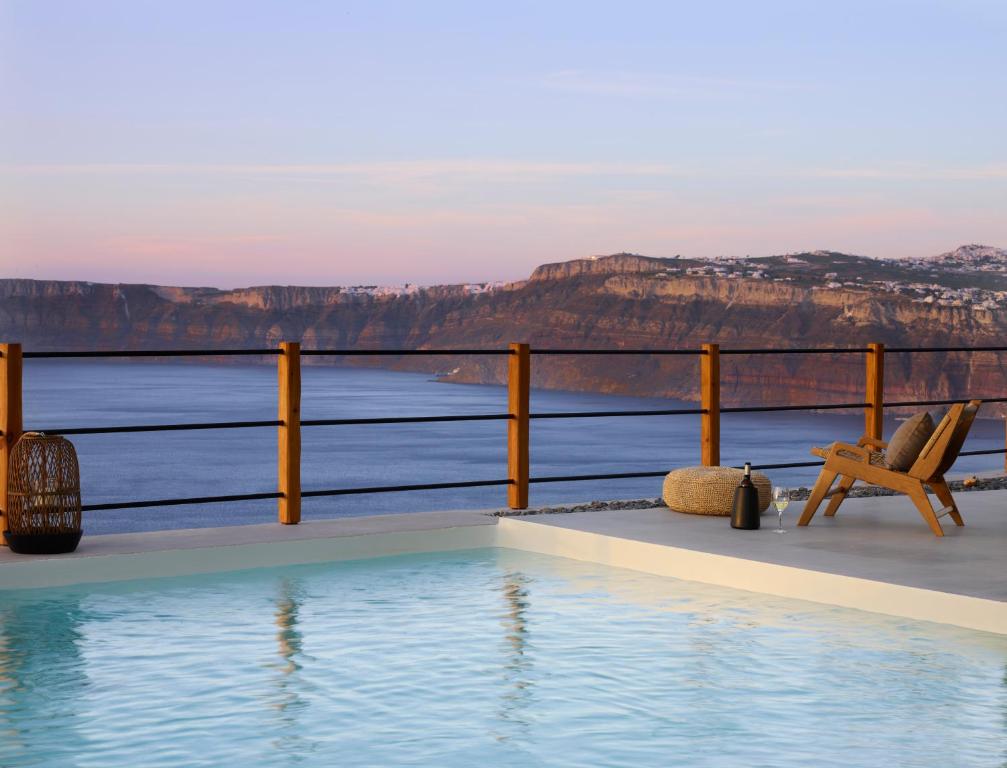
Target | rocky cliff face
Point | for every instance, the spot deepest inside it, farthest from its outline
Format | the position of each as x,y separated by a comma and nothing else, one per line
600,265
621,301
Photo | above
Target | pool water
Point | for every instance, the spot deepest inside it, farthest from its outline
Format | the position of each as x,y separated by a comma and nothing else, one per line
482,658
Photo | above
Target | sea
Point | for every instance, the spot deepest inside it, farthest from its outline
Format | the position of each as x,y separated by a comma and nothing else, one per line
61,394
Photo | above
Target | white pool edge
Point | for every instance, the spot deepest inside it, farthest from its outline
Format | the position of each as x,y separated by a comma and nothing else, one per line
755,576
61,572
160,556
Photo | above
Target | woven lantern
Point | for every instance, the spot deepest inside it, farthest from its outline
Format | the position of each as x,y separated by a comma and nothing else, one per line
43,496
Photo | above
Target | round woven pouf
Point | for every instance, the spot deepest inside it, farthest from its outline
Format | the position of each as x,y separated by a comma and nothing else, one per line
710,490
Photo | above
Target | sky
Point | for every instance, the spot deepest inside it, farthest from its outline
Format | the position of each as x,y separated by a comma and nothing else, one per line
333,143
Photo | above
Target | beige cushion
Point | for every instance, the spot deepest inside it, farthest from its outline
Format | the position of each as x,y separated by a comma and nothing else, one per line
710,490
907,442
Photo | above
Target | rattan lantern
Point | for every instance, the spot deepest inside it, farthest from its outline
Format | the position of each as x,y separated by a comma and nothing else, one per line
43,496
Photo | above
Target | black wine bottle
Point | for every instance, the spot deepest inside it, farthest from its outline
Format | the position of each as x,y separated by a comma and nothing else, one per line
745,514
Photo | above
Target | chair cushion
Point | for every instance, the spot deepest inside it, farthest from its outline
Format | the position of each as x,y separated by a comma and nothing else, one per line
907,442
710,490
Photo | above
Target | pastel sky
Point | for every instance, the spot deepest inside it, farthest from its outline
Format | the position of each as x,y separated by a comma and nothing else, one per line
241,143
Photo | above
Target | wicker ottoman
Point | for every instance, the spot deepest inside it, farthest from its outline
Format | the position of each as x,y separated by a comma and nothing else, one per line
710,490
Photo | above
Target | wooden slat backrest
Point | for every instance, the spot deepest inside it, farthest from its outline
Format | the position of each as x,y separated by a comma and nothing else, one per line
941,451
932,453
958,438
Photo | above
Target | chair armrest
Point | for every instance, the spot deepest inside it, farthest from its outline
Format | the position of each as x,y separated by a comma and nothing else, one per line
879,444
865,452
861,451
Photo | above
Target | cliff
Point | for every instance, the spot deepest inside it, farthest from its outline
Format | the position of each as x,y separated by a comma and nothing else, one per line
618,263
630,301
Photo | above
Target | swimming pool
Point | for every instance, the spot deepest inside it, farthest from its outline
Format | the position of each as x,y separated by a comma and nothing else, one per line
487,657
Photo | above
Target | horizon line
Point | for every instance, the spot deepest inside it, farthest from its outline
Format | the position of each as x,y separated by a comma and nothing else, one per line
419,286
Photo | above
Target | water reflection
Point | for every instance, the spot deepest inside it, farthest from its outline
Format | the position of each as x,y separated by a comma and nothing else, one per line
289,640
517,694
1003,693
41,674
289,702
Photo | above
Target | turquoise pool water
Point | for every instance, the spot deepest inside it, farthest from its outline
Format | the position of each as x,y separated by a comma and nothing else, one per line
482,658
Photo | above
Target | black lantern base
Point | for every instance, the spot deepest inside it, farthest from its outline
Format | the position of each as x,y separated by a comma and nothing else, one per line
42,543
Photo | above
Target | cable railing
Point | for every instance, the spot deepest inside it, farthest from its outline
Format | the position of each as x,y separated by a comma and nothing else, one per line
518,416
153,353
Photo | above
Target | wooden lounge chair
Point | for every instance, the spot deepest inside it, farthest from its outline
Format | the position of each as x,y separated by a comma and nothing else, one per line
865,461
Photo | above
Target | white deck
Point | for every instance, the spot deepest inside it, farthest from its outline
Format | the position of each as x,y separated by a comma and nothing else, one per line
876,555
881,538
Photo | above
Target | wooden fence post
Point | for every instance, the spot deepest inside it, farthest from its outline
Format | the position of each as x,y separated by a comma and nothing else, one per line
709,368
874,413
518,390
289,448
10,418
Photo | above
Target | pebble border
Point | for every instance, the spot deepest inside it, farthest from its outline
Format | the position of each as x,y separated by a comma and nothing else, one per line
796,494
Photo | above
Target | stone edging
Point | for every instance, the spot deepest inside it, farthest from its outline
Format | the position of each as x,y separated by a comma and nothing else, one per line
796,494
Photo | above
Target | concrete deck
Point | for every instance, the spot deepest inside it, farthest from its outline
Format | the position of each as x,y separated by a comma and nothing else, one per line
876,555
881,538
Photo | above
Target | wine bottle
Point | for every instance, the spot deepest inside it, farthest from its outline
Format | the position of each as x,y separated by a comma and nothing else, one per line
745,514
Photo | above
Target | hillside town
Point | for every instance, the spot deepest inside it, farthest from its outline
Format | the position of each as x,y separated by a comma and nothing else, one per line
972,276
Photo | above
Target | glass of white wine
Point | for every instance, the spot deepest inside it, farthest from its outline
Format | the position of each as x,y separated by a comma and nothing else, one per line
781,498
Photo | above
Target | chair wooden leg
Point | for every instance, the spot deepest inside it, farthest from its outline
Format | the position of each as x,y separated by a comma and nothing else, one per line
822,485
944,494
842,488
918,494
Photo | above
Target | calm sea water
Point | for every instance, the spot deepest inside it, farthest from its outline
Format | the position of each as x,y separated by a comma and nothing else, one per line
120,467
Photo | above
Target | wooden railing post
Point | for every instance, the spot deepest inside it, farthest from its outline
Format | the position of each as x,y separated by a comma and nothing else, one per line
10,418
518,398
289,448
709,367
874,413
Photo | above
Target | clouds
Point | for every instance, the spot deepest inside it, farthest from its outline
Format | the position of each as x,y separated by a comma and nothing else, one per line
660,85
448,221
479,168
992,172
448,170
392,143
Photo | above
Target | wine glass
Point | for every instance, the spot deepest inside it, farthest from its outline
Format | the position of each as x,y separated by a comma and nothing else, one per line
781,498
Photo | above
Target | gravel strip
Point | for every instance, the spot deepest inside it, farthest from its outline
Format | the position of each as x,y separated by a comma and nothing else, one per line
796,494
